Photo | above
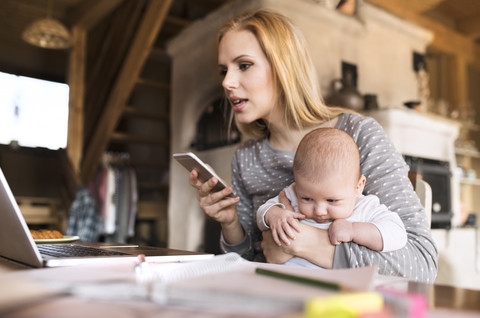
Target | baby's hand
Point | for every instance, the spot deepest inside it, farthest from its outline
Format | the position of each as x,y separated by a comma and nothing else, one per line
340,231
283,223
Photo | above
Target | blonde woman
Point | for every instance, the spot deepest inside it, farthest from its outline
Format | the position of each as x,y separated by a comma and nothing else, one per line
270,83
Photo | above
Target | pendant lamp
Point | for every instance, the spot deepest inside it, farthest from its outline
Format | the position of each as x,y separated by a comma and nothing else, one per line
47,33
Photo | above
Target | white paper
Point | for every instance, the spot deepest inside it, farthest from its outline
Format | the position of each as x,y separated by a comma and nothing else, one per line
224,283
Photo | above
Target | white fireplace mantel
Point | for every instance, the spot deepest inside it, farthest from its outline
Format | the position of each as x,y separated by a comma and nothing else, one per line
419,135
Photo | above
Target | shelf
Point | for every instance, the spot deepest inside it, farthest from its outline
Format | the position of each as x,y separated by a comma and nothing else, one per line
151,210
473,182
467,152
131,111
153,83
129,138
470,126
153,186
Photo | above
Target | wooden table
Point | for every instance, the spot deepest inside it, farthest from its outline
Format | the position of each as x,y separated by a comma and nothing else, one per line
440,296
7,265
443,302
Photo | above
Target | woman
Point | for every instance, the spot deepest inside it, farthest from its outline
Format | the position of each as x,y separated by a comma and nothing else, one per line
270,82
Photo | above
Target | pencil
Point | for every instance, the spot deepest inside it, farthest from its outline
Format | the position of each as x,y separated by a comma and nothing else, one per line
298,279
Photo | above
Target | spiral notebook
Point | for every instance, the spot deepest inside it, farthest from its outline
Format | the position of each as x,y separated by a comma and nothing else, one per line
17,244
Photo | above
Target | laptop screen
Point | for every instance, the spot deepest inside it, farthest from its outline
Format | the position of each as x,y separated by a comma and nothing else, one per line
16,242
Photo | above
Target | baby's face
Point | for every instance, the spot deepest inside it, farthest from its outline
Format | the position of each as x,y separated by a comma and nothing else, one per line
331,198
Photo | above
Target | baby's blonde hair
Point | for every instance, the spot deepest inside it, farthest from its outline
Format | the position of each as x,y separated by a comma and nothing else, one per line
295,79
326,150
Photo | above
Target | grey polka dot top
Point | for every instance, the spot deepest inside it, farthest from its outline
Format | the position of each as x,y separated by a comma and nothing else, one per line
260,172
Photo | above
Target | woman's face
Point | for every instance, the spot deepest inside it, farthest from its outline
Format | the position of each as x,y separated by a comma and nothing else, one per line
247,77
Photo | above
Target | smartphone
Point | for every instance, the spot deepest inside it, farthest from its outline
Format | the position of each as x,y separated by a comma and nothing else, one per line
191,162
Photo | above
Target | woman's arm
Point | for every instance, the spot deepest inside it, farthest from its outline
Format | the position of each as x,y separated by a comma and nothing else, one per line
311,243
387,177
242,242
272,252
223,209
219,206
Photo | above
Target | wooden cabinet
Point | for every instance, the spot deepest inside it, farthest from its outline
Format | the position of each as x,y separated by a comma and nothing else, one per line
43,212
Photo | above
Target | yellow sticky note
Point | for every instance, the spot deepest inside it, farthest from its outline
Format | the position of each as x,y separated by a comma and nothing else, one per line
348,305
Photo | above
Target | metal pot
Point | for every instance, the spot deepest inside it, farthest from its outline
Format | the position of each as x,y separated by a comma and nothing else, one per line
346,95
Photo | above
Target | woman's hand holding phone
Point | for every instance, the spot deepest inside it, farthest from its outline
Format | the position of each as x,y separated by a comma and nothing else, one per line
219,205
215,197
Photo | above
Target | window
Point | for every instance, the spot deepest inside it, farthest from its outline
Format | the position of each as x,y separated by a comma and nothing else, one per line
33,112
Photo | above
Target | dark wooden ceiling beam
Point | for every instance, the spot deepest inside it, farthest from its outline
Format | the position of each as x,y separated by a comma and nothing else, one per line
208,4
177,22
76,81
85,16
470,26
108,60
462,50
150,26
88,13
418,6
445,39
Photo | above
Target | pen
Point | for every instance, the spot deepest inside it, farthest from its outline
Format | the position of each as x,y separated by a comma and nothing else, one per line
298,279
141,268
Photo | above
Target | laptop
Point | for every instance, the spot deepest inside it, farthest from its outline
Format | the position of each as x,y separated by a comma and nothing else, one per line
17,244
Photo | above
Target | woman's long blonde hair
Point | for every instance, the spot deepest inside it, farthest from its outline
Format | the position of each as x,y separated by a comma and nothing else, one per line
294,74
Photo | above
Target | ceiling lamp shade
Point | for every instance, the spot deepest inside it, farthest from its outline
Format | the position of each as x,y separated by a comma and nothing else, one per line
47,33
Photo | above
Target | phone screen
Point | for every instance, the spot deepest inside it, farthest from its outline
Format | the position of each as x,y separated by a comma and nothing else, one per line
190,161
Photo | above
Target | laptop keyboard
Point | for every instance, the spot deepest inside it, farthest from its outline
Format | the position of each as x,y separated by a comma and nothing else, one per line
70,250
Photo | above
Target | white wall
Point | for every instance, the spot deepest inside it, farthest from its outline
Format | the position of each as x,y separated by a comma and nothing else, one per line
459,261
195,83
380,44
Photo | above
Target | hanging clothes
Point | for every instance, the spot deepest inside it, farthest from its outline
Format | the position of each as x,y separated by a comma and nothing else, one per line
84,220
115,190
110,214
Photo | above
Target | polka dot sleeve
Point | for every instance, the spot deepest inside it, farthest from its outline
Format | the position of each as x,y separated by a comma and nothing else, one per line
259,172
387,177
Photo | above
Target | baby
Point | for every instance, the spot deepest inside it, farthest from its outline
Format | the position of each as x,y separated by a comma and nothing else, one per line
327,193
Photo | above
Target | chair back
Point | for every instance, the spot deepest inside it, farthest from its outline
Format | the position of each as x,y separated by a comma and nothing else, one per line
424,192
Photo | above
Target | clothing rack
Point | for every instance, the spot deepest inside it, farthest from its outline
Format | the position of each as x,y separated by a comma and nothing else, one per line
115,158
114,190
